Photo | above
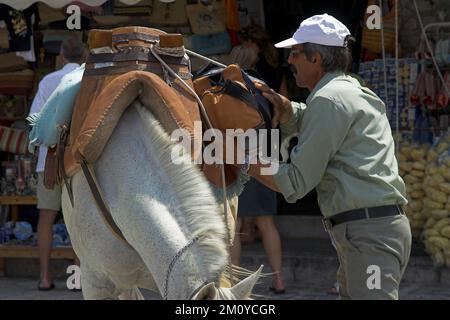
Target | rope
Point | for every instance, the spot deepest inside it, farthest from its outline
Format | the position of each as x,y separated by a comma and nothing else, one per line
174,52
194,54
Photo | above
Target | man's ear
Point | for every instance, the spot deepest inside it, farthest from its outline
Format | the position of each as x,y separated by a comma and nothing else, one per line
316,58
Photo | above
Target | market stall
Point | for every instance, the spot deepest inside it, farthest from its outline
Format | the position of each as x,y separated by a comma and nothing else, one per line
406,63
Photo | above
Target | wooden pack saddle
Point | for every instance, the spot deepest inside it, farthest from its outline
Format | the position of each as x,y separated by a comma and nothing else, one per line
115,78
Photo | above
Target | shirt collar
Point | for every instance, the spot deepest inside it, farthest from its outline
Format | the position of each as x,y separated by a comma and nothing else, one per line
70,66
322,82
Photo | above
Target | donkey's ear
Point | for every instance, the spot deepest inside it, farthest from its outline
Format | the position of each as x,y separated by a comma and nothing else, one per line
243,289
208,292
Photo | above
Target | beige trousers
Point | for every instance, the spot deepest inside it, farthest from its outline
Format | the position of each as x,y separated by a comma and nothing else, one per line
373,256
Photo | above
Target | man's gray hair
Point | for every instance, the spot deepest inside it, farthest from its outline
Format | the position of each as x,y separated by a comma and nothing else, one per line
333,58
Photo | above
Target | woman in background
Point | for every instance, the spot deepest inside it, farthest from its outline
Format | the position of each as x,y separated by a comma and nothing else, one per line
257,200
268,64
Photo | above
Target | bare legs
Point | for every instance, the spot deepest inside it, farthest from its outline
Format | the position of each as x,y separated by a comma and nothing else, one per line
236,247
45,241
271,243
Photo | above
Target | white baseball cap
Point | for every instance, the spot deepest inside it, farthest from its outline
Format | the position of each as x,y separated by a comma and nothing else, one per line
319,29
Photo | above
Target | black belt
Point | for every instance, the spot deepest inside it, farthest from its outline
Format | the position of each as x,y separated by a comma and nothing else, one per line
363,213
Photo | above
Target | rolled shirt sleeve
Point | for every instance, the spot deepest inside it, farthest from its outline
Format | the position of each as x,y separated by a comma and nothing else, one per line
322,127
292,125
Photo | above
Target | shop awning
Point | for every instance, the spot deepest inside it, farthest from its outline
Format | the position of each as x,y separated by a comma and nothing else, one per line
23,4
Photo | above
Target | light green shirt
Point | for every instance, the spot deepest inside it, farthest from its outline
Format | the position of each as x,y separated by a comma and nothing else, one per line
345,150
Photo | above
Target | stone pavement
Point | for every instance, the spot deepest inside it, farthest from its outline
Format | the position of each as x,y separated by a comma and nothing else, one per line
309,273
25,289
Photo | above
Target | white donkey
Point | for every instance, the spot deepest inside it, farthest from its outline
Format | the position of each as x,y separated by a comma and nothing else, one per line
175,232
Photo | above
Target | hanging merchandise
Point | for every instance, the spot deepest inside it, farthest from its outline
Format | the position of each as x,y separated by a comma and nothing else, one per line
13,107
422,133
425,91
19,25
232,15
29,54
48,14
141,8
423,98
206,16
210,44
371,38
13,140
422,52
372,73
442,97
251,12
442,51
4,42
168,13
112,20
233,24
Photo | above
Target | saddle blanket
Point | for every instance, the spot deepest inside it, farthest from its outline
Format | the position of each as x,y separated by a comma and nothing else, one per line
56,113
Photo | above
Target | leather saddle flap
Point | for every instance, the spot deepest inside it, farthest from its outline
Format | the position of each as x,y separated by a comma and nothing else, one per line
104,96
231,103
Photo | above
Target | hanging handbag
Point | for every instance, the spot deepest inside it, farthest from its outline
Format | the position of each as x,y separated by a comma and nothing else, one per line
206,19
442,98
173,13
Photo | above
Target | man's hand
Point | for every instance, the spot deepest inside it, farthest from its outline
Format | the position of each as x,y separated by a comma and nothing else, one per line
282,106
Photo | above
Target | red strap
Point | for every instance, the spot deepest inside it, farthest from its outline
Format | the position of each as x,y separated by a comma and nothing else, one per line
430,88
419,89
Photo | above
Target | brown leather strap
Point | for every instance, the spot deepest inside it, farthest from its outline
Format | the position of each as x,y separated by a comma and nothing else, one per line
127,37
133,56
51,169
99,200
112,70
61,167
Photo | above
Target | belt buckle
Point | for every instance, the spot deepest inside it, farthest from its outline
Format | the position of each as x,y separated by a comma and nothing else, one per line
327,224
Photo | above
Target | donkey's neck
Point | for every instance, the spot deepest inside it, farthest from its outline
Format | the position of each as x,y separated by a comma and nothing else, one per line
161,208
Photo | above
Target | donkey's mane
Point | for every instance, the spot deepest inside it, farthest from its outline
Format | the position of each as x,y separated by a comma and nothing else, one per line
196,201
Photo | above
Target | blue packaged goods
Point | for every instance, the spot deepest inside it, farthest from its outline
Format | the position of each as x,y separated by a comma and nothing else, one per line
22,230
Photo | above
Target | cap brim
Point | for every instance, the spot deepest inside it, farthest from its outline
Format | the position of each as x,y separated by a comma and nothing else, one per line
287,43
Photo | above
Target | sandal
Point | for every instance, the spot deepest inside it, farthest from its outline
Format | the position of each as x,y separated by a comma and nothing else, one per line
51,287
277,291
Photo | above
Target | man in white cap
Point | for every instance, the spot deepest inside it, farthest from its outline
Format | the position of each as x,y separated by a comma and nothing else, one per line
346,151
